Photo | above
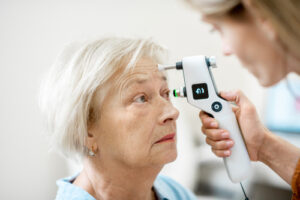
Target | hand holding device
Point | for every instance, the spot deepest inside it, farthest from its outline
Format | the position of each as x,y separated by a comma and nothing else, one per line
201,92
253,130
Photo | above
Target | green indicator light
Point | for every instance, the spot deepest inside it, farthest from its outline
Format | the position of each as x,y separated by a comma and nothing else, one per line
175,93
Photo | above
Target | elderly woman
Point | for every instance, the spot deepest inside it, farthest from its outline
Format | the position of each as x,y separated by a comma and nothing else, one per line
108,105
265,36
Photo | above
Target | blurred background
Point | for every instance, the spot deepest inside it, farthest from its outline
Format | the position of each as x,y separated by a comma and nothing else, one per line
32,34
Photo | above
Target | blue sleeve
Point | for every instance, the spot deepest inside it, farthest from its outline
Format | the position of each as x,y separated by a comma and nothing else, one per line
168,189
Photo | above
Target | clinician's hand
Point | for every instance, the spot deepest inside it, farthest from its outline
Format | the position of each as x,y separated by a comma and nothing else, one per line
253,130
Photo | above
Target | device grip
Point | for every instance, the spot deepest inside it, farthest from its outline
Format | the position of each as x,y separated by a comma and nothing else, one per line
238,164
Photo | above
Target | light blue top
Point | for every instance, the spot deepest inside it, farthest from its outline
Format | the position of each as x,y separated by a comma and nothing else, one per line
164,187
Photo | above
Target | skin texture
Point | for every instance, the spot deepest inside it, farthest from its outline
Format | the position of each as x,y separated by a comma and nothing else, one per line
255,43
134,115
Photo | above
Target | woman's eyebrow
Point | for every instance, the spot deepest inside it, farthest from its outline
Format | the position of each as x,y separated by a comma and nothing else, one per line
138,80
141,80
127,84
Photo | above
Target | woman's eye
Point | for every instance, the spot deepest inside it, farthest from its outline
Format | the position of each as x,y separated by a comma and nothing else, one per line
167,94
140,99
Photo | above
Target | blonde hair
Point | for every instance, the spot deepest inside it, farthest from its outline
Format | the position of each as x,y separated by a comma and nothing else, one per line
66,97
284,16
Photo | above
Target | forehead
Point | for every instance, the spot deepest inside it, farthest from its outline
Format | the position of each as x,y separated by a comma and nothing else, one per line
144,70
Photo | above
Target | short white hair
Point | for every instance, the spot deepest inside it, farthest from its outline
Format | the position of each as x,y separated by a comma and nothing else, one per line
214,7
68,89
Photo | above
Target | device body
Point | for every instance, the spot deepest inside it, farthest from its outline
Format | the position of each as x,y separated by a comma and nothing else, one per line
201,92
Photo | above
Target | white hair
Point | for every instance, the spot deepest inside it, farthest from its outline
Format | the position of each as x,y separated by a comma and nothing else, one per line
67,92
214,7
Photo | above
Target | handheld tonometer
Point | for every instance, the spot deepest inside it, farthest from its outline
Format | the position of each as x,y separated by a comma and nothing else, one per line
201,92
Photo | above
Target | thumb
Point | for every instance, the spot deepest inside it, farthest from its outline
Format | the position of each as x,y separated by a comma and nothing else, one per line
237,97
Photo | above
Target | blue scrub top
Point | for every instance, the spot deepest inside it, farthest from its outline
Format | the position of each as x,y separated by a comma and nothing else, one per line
164,187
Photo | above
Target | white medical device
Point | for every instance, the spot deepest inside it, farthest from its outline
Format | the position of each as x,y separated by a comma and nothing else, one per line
201,92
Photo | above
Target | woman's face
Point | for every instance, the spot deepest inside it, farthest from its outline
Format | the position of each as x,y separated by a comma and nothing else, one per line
137,125
255,46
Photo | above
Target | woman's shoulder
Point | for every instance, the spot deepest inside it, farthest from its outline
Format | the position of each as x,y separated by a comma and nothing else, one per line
167,189
68,191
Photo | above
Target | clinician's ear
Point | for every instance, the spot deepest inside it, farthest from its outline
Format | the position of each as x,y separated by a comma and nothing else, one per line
261,20
268,29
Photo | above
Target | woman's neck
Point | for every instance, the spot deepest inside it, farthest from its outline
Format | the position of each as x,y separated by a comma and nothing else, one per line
113,181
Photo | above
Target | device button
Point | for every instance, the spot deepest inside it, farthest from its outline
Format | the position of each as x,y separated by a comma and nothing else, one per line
216,106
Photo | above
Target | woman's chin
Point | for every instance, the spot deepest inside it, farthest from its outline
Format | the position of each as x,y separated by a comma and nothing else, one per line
164,153
168,156
171,157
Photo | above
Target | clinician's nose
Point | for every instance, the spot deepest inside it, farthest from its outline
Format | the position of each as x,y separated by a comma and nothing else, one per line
226,49
169,113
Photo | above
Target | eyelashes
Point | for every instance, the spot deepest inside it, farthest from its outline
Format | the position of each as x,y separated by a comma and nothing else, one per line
167,94
140,99
143,98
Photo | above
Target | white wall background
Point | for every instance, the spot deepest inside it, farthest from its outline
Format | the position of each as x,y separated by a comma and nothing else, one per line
32,33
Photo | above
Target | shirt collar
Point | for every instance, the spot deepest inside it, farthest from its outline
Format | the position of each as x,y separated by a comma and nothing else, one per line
160,192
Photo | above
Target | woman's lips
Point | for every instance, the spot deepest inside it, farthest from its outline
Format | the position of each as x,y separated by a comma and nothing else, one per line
166,138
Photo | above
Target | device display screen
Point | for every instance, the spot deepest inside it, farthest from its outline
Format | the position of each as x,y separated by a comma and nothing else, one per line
200,91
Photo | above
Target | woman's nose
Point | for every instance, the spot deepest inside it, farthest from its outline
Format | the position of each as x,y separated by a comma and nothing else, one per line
170,113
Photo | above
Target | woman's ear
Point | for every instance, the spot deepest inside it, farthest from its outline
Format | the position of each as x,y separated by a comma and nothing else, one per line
92,127
91,143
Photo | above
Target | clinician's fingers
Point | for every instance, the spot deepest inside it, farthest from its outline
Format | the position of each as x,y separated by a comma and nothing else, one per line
236,96
221,153
208,121
243,104
220,145
234,108
216,134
